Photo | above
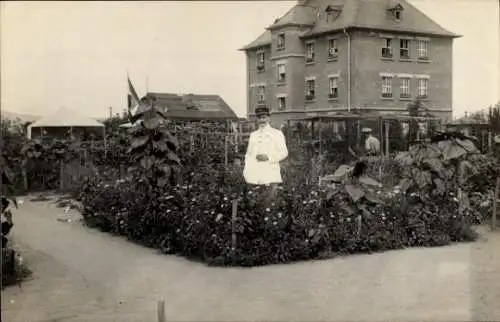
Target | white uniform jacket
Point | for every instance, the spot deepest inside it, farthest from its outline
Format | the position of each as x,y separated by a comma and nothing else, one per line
268,141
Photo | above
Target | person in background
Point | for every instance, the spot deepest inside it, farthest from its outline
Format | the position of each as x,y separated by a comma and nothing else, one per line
372,144
266,149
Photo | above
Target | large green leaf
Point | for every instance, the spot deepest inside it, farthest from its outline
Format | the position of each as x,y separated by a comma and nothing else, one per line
354,192
147,162
162,182
440,187
422,178
453,151
432,151
435,165
468,146
373,198
405,184
160,146
152,123
140,141
342,172
369,181
404,158
173,157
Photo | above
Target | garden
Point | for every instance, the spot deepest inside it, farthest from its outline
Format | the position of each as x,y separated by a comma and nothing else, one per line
165,188
172,201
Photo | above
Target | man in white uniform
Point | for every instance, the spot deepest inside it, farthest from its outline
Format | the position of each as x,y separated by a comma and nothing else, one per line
266,149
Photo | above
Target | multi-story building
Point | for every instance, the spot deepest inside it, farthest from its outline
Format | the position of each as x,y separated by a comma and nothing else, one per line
328,56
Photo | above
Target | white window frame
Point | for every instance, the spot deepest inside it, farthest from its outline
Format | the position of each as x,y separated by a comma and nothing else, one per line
281,41
279,99
403,49
387,48
333,87
281,79
387,86
332,48
261,94
422,87
261,57
310,52
422,48
311,91
404,87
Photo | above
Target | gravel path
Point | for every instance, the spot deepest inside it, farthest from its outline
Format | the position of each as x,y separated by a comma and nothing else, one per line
81,274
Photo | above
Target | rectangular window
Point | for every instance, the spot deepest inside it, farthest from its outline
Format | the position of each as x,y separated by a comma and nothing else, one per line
404,88
310,52
282,103
332,49
404,48
280,42
281,73
422,47
261,60
334,87
387,48
422,85
261,95
310,89
386,86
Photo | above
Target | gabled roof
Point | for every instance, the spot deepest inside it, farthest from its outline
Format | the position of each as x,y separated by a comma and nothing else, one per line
372,14
262,40
298,15
65,117
193,106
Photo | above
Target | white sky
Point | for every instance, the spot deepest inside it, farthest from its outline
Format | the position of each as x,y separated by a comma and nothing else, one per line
76,54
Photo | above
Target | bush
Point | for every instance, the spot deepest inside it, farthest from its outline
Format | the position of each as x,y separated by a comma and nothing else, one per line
304,222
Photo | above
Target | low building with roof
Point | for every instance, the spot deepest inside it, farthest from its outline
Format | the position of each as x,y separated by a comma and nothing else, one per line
328,56
66,123
193,107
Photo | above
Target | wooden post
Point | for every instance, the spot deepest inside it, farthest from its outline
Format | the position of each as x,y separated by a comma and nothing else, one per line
161,311
225,150
25,179
490,140
320,137
387,146
61,175
358,134
233,228
495,205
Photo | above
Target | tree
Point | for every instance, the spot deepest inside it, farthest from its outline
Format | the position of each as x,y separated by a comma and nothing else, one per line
494,117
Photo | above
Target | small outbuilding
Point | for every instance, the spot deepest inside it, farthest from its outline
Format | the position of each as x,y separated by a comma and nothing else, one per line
66,123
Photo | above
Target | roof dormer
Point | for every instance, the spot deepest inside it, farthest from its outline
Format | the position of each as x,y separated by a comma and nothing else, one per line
332,12
395,10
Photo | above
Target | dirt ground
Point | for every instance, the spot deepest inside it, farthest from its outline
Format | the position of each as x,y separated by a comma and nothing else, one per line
81,274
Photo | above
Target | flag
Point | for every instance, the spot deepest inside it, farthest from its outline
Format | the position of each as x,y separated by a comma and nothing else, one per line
133,99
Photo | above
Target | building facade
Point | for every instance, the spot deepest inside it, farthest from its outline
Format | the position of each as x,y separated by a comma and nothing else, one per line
329,56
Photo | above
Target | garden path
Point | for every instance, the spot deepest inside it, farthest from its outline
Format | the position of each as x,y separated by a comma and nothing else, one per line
82,274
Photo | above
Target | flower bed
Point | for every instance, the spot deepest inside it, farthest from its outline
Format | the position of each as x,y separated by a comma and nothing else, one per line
304,222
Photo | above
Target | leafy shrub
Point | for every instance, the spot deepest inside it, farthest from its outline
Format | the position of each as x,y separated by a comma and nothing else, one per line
304,222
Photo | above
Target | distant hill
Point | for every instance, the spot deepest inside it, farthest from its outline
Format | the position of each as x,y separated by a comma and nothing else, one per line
31,117
21,116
